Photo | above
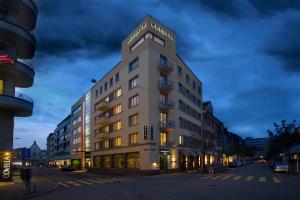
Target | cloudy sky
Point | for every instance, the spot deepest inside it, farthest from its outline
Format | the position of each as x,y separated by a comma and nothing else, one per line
246,52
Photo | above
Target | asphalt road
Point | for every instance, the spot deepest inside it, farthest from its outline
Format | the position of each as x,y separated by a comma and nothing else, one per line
249,182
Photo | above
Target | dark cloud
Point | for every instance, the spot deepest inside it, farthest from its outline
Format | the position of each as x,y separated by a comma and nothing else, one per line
265,7
285,45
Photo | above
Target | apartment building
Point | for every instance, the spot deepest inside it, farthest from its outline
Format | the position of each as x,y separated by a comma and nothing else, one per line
146,113
58,144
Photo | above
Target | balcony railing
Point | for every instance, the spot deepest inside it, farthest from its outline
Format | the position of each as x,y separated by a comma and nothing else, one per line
18,96
102,120
166,85
165,67
102,135
102,105
166,105
167,125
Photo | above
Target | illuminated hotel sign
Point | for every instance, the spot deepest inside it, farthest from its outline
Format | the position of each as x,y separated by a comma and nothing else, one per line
4,59
5,166
154,26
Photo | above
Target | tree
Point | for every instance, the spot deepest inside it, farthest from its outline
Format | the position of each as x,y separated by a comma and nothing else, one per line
283,137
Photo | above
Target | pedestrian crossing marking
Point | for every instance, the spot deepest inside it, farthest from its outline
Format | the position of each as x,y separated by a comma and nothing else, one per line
262,179
106,180
96,181
276,180
206,177
73,183
226,177
216,177
249,178
63,185
237,178
85,182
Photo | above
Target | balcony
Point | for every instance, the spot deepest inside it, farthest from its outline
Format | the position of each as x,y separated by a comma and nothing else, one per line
21,70
166,105
102,135
22,39
20,104
167,126
102,120
102,105
165,86
165,67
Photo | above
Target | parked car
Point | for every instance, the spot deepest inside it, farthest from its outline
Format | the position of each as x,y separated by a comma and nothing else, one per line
281,167
67,168
235,164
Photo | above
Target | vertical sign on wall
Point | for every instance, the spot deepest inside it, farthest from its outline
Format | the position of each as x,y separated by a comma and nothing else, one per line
5,166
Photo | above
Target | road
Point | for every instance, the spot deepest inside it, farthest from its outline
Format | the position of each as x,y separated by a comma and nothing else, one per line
249,182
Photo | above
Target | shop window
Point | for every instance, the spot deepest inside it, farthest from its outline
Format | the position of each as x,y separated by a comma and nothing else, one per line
107,161
163,139
97,161
133,160
118,161
1,86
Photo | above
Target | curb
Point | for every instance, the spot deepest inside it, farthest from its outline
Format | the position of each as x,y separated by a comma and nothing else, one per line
285,181
41,193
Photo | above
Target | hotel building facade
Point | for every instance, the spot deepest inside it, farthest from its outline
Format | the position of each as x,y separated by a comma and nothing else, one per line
146,113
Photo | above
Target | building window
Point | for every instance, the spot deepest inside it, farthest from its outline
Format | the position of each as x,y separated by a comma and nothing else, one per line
194,85
1,86
134,64
117,77
179,71
133,138
181,139
199,90
101,90
106,144
118,92
117,142
77,130
163,139
163,60
106,129
117,109
77,110
187,79
133,119
96,93
111,82
105,86
133,82
117,125
163,118
137,44
133,101
107,161
159,41
149,36
77,120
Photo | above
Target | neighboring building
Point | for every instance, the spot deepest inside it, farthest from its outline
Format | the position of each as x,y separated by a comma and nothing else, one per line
146,113
38,157
213,131
58,144
17,20
80,146
21,156
230,141
259,145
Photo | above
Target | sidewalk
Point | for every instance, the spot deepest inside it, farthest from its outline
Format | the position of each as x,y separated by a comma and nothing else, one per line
290,179
16,191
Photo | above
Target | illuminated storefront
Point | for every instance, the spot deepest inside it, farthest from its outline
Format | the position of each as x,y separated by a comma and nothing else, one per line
5,166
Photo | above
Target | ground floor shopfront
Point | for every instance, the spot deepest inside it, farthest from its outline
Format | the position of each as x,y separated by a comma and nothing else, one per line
59,163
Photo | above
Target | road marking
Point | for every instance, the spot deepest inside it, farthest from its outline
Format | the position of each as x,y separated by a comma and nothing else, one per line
226,177
106,180
262,179
276,180
237,178
85,182
249,178
73,183
206,177
95,181
63,185
216,177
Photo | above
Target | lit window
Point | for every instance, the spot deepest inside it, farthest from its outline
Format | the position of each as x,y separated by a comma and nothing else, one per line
133,119
163,139
117,142
134,64
133,138
180,139
118,92
163,118
106,144
133,101
106,129
134,82
1,86
117,125
117,109
106,99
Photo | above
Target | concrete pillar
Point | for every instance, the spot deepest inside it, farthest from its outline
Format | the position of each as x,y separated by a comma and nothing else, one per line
6,131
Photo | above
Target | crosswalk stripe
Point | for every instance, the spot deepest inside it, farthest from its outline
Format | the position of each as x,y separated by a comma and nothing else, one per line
106,180
85,182
206,177
216,177
63,185
73,183
226,177
249,178
237,178
276,180
262,179
95,181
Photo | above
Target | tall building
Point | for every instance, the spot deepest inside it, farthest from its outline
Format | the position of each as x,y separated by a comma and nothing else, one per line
146,113
17,44
58,144
260,146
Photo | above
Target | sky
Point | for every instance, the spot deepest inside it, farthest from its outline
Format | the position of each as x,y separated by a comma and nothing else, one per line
245,52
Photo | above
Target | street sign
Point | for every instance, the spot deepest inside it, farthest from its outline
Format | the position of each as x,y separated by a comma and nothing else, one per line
5,166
